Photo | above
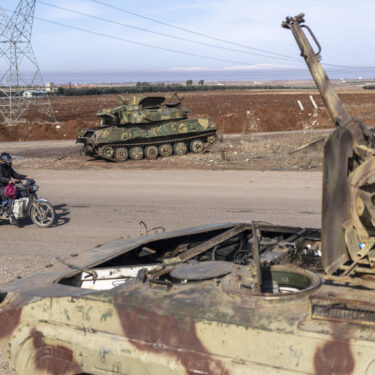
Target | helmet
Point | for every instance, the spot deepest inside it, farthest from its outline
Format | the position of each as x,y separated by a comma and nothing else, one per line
5,158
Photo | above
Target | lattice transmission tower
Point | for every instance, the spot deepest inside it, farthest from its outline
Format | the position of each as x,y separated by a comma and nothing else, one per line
19,70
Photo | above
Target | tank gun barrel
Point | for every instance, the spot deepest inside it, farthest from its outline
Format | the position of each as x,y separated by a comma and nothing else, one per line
335,107
348,210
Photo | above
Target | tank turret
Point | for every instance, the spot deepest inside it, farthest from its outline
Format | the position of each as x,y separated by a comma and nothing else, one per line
142,110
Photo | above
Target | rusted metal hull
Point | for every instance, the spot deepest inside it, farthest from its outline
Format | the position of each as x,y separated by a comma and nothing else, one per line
210,326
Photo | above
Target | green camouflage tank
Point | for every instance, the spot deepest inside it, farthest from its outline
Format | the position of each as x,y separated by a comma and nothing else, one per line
146,127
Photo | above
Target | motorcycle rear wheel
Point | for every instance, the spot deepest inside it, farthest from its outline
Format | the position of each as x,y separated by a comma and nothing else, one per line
43,214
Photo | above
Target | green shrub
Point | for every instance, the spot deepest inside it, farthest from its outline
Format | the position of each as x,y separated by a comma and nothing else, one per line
146,87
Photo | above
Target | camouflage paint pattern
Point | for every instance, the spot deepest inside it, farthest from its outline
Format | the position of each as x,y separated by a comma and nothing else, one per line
115,134
205,327
144,121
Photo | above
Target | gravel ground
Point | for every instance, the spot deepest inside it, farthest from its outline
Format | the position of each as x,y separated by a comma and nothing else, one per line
270,151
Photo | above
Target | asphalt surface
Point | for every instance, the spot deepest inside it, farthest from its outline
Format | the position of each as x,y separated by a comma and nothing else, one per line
96,206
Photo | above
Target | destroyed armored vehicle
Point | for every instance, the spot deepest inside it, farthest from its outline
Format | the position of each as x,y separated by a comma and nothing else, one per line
145,127
186,302
220,299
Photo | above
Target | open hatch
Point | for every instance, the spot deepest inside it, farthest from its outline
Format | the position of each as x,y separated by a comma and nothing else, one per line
216,254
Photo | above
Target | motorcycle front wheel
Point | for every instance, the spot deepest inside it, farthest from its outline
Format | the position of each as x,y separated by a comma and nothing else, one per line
43,214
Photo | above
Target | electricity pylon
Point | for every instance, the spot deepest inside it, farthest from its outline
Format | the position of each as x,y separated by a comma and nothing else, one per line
19,70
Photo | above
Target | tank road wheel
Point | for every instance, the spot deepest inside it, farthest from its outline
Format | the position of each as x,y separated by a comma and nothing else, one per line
136,153
106,152
151,152
165,150
180,148
211,138
196,146
121,154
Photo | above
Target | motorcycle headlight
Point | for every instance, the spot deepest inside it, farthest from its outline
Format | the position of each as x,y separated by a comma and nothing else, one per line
35,187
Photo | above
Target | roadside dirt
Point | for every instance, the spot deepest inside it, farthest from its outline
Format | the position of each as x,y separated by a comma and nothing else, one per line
249,152
234,111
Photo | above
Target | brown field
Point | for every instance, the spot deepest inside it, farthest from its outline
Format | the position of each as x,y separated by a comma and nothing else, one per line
235,111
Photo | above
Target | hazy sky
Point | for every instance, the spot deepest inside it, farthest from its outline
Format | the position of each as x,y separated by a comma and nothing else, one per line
345,29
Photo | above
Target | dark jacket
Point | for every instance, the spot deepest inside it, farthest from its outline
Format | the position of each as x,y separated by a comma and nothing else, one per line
7,172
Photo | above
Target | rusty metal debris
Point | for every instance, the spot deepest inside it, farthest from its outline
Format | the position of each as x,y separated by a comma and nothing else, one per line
74,267
349,173
314,142
144,231
202,270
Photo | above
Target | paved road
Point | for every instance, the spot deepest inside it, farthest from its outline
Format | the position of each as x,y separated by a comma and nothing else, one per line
33,145
96,206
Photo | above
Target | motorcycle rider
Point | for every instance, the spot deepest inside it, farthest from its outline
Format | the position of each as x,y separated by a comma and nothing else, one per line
6,174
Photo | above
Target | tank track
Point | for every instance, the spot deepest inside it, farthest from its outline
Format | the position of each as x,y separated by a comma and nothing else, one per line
145,144
157,143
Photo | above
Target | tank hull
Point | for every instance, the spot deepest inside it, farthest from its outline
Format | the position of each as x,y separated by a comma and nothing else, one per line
194,135
69,320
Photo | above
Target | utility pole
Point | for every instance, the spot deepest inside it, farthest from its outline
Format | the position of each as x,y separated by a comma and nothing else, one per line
19,70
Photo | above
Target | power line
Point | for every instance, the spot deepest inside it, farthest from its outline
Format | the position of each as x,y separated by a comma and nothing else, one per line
163,34
367,69
141,43
17,52
206,35
190,31
157,47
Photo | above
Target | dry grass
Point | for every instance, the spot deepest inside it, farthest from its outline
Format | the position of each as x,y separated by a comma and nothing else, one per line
252,151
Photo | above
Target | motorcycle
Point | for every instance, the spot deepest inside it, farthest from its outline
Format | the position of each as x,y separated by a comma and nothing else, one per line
41,212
